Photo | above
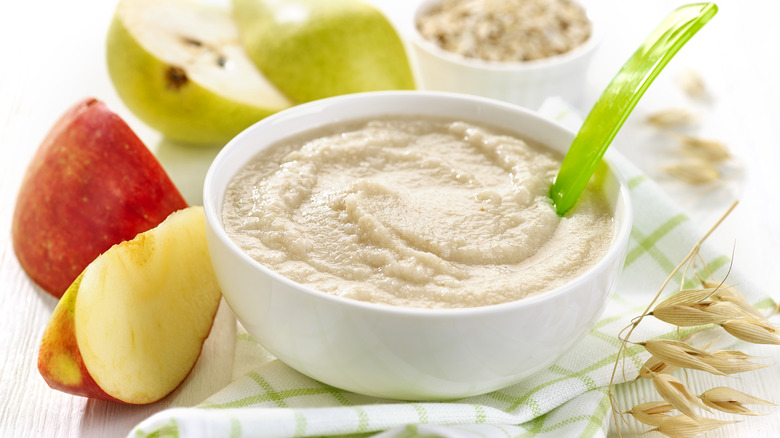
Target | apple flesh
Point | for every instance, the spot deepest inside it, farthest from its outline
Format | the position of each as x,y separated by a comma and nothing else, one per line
312,49
132,326
179,66
92,183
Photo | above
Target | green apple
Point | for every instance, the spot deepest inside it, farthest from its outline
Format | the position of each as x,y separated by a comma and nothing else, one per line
311,49
180,67
132,325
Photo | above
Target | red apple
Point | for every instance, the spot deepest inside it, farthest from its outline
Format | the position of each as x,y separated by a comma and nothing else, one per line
132,325
91,184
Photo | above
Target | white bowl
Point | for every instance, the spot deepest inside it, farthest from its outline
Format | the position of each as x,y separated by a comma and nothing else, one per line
394,352
526,84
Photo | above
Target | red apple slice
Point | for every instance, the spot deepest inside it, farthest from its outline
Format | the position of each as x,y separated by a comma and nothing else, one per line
132,326
91,184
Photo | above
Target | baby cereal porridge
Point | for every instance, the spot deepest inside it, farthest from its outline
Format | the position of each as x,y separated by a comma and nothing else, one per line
414,212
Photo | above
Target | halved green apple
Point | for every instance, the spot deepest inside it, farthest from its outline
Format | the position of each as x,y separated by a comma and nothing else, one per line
132,325
179,66
311,49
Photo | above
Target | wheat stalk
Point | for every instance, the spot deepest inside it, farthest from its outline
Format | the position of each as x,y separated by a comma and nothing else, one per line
713,305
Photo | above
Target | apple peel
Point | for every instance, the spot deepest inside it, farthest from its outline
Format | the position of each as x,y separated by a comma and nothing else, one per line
132,325
313,49
91,183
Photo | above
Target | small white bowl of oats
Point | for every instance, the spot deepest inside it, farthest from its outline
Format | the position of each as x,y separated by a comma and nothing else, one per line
518,51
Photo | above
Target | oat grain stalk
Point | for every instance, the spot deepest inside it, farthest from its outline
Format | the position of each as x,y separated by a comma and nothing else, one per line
681,412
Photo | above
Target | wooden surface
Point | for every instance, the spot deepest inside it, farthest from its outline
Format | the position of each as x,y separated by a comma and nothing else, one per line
52,55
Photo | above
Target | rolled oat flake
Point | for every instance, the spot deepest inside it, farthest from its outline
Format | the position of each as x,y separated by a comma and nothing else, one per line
506,30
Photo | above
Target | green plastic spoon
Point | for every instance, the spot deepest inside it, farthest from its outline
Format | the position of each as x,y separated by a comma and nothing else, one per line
620,97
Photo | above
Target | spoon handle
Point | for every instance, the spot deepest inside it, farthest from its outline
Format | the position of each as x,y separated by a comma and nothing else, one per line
619,99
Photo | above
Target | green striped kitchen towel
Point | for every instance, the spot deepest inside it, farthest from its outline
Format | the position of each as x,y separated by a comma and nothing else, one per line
568,399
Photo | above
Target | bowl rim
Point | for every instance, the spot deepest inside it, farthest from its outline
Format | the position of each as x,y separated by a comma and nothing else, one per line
214,220
550,62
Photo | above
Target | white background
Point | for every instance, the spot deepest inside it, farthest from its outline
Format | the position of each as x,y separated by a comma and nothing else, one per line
52,55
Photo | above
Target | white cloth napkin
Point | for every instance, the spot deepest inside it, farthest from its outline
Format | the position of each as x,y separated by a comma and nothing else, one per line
568,399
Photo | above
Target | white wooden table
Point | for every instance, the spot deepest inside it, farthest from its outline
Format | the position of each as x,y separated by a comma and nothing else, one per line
52,55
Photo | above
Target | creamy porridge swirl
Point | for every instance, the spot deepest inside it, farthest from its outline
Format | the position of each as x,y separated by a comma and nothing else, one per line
414,213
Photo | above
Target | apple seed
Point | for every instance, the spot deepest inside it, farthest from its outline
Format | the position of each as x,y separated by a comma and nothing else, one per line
176,77
192,41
